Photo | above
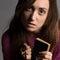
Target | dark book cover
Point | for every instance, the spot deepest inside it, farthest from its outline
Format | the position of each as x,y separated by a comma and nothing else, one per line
40,45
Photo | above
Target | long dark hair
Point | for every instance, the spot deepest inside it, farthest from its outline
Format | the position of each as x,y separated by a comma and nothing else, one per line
18,33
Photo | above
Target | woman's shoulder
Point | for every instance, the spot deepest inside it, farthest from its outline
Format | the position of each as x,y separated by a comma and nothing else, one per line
56,49
6,45
5,36
6,40
58,42
59,35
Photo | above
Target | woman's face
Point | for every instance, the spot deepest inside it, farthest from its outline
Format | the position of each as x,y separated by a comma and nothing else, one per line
36,15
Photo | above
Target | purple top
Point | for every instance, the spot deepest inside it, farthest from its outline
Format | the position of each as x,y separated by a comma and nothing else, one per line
6,48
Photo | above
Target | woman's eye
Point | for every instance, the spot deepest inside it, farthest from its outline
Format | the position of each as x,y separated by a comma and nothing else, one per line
29,9
42,11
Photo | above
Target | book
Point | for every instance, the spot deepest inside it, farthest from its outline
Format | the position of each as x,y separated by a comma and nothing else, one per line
39,46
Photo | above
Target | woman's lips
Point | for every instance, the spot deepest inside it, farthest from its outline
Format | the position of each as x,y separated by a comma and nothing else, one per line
31,25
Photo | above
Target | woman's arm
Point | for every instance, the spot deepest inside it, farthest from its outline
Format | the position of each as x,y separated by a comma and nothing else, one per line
56,52
6,48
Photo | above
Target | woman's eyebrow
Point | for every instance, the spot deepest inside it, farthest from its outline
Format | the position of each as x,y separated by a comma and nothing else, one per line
43,8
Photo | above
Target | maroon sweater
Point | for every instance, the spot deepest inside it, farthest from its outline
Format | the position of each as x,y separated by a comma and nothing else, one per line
6,48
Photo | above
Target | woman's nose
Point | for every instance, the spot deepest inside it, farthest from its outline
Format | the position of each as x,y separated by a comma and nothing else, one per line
34,15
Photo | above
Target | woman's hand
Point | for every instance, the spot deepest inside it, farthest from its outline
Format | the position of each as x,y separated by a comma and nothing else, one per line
45,55
28,52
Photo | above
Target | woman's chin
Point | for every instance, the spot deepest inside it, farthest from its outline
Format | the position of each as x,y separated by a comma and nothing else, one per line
32,30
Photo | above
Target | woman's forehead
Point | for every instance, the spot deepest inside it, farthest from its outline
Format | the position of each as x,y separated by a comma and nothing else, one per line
41,3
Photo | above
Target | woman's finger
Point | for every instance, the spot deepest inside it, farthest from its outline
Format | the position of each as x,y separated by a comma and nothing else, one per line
27,46
45,55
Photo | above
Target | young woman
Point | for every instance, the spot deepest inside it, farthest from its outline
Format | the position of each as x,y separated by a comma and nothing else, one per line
32,19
